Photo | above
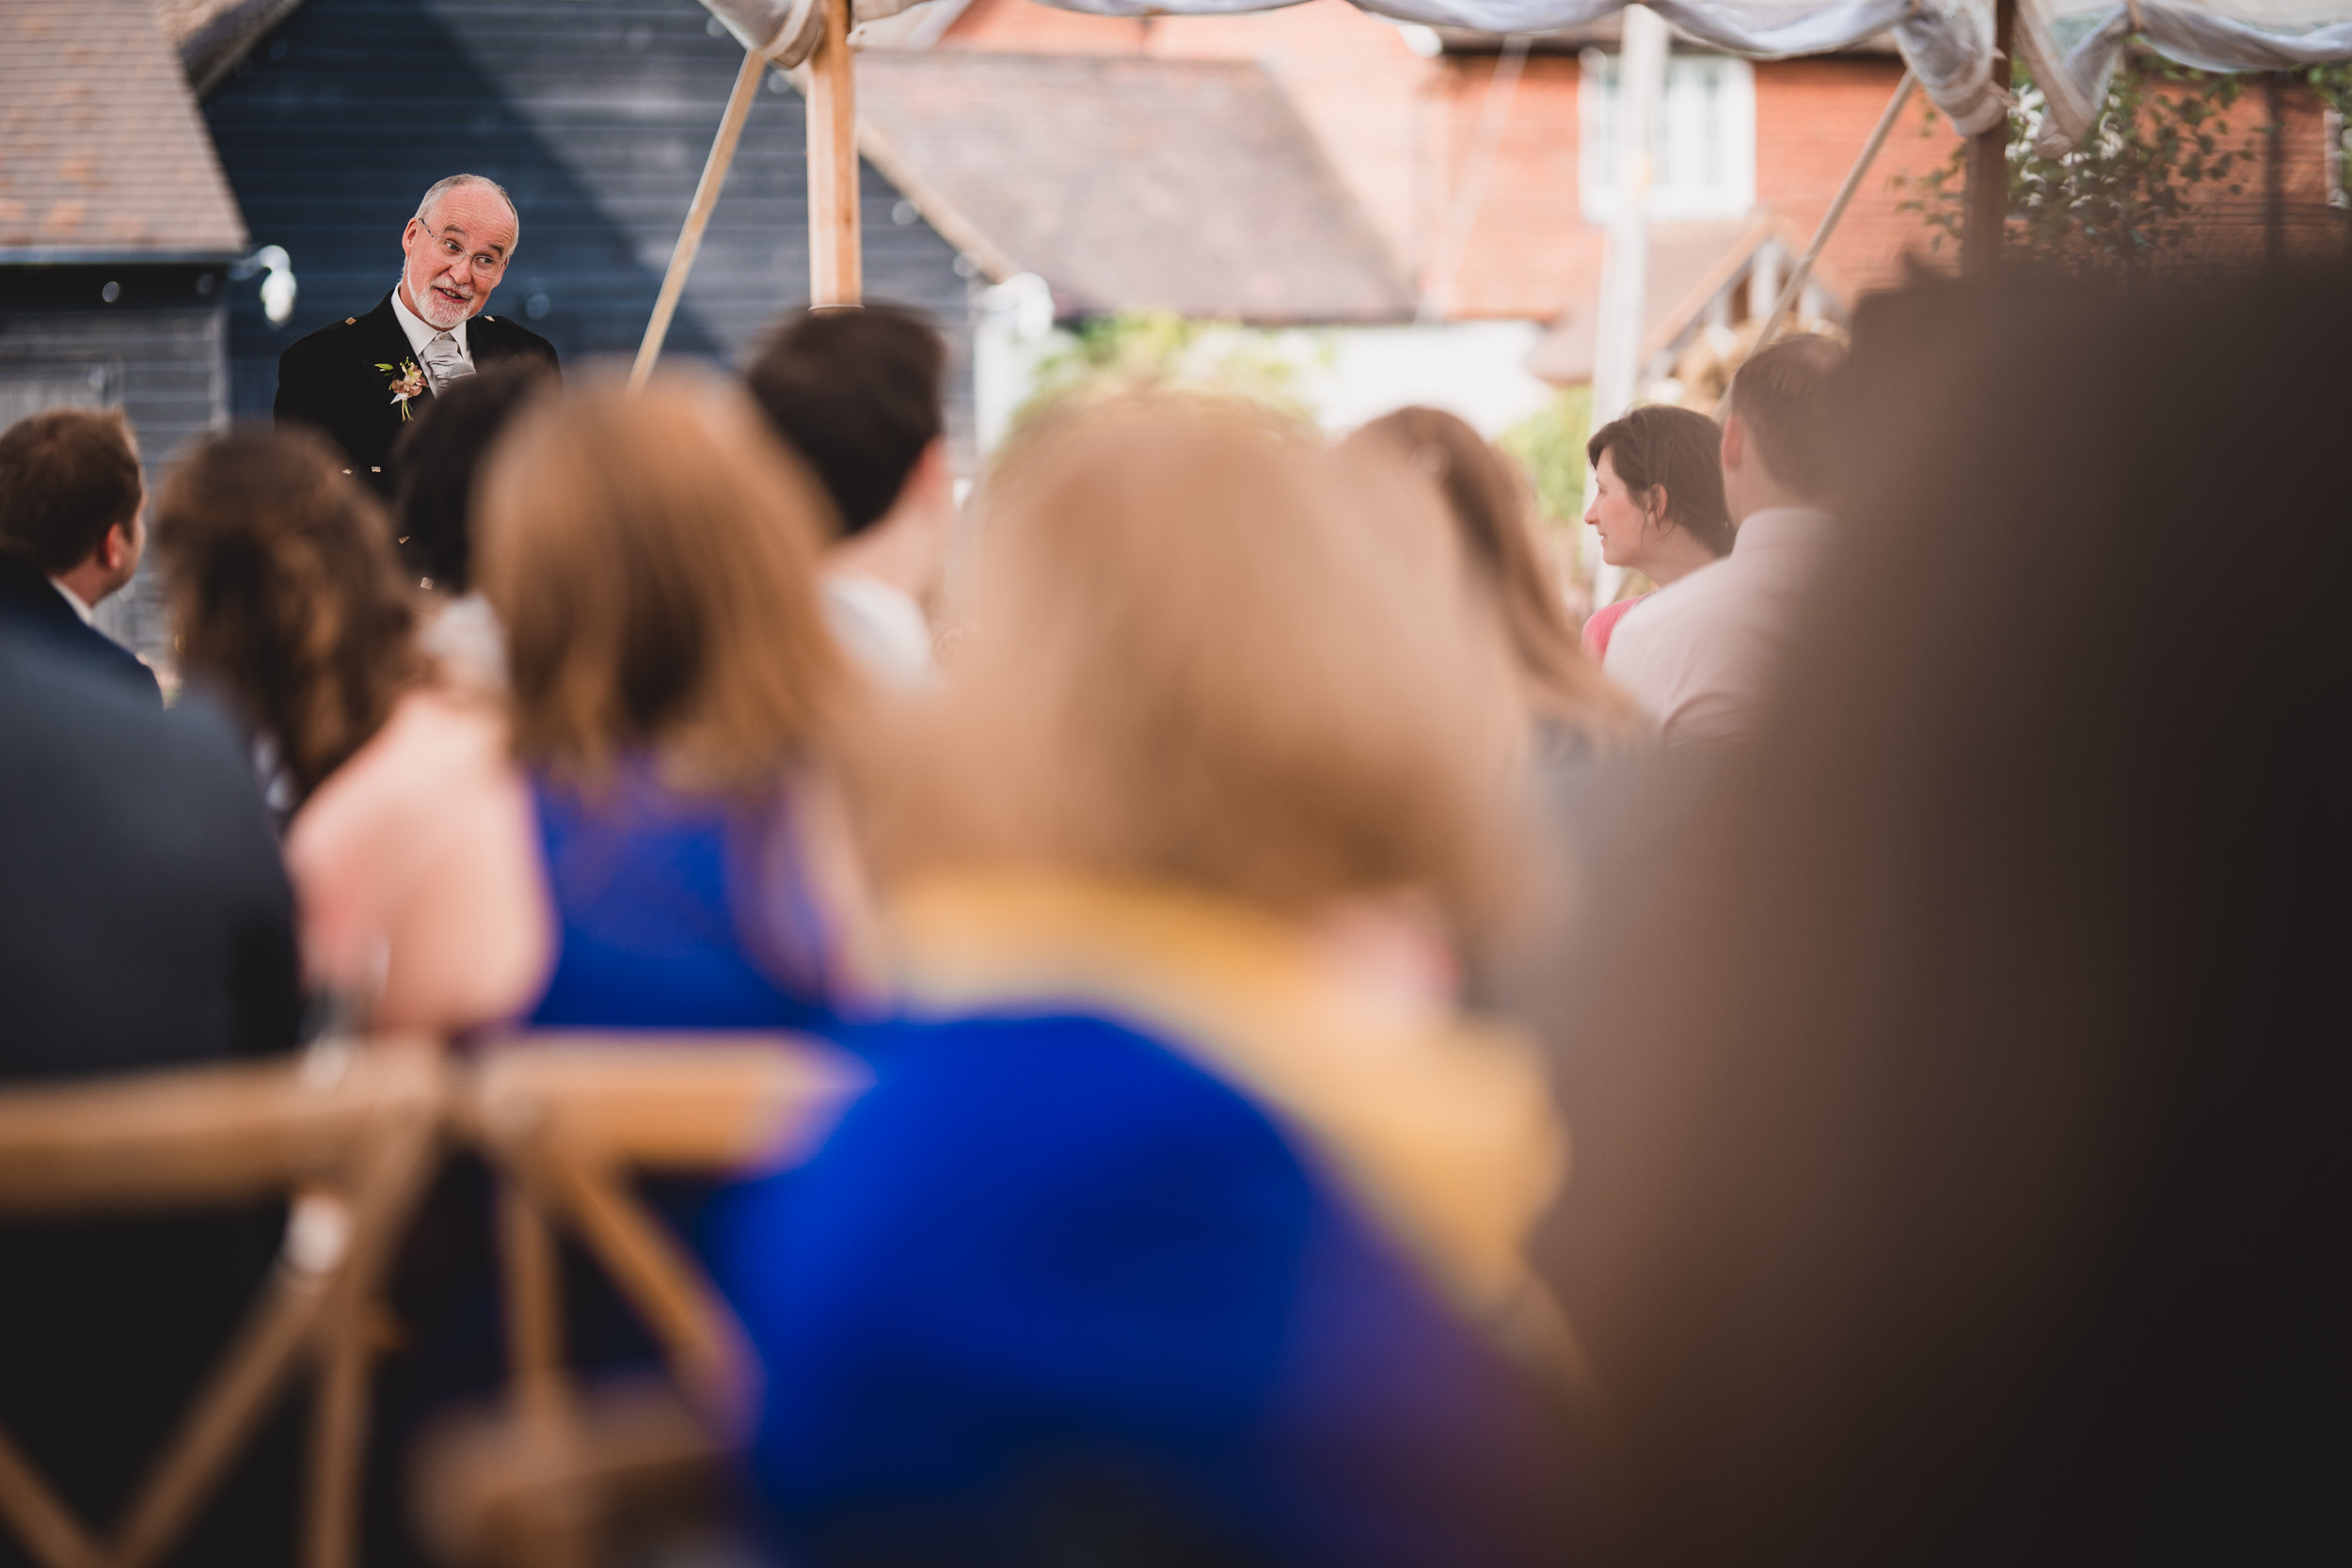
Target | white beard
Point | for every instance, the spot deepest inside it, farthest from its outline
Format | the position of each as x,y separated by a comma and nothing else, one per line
439,313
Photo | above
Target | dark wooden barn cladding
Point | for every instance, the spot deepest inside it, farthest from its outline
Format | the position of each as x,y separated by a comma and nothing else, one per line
596,115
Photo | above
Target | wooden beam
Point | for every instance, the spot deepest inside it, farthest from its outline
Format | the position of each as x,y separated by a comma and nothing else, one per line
689,239
1803,269
1988,161
835,267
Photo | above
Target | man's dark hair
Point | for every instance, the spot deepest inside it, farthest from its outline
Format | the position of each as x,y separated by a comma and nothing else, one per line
66,477
856,392
436,461
1681,450
1782,394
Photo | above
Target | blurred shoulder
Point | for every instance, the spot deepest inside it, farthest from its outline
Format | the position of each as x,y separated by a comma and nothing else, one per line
1665,613
437,752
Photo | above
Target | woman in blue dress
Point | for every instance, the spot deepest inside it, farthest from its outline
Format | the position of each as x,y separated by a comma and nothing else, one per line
1183,1220
643,835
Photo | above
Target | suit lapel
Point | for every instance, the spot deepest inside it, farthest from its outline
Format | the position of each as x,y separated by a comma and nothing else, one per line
393,348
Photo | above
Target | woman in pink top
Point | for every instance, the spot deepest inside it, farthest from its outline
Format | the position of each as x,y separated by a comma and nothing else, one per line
1658,504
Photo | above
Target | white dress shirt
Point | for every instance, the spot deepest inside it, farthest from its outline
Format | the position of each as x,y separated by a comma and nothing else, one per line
421,332
1699,655
89,614
882,626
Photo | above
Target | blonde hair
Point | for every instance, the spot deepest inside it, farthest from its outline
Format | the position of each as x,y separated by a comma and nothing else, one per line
653,559
1489,502
1205,651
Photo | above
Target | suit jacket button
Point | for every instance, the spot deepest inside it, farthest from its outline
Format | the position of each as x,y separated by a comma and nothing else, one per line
375,471
351,320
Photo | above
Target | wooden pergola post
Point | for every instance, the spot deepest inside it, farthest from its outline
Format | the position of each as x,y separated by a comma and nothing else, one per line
689,240
1987,208
835,267
777,35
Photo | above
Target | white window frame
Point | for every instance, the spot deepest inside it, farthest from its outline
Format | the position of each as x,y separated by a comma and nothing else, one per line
1681,138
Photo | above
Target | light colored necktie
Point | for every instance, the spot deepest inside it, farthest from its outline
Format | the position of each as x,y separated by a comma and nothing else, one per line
443,363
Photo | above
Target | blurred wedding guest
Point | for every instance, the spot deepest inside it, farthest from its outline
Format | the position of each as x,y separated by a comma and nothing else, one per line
287,600
1700,656
71,496
1658,504
646,836
439,458
145,922
856,392
1183,1219
1961,1171
1575,710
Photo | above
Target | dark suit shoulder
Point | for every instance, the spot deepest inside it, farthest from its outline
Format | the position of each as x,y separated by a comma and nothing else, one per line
494,337
339,340
31,603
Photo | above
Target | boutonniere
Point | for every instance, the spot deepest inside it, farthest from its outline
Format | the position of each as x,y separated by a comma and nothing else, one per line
407,380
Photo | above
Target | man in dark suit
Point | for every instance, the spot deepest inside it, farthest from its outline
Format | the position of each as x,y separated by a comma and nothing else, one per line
145,922
364,379
69,533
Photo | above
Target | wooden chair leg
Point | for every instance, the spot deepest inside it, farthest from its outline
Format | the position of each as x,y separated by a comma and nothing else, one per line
45,1524
534,1307
328,1272
338,1444
227,1410
389,1183
709,1353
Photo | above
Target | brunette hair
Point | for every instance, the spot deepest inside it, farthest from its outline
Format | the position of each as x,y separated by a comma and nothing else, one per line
1489,503
285,592
1782,393
67,476
1962,1175
1206,649
439,458
1681,450
653,559
856,392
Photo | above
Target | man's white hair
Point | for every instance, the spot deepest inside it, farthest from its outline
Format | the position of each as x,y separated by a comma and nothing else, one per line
442,187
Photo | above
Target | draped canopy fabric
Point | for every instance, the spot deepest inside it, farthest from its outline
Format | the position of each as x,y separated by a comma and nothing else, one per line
2071,46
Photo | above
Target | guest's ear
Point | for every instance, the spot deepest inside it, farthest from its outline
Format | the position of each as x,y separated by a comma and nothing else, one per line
1735,441
117,549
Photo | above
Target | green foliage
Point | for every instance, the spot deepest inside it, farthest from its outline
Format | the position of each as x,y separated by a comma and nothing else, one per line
2124,197
1550,442
1161,349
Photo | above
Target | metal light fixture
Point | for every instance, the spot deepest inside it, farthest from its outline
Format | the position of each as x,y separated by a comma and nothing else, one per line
278,290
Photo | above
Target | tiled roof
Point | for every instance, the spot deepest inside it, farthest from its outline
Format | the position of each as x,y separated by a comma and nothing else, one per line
102,150
1126,182
210,36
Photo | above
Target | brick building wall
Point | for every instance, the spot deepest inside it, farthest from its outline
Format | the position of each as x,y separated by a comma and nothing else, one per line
1526,250
1812,118
1404,130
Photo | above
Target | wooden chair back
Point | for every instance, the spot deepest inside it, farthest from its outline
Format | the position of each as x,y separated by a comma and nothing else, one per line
349,1136
569,1121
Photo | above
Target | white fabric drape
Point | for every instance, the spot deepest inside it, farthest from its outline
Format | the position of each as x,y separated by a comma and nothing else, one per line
2072,45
